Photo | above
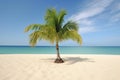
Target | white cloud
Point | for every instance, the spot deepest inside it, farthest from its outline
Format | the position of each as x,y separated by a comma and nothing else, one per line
83,30
86,22
115,18
85,14
115,12
94,8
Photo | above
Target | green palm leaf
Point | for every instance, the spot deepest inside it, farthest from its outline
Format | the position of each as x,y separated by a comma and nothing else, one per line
33,27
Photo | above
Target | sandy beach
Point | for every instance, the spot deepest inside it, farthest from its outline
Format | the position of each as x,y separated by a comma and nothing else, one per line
76,67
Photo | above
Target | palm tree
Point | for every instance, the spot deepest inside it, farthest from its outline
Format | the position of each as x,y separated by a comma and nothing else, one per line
54,30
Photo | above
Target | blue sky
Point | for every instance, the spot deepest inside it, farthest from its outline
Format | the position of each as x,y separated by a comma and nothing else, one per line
99,20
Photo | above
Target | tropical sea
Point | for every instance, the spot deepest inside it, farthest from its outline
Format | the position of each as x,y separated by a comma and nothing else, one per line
112,50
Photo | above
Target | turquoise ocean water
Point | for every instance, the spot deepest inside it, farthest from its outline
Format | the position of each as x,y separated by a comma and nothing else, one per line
114,50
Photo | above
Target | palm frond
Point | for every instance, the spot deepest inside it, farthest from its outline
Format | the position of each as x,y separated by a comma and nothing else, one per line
72,35
34,37
33,27
45,33
70,25
49,33
51,17
61,15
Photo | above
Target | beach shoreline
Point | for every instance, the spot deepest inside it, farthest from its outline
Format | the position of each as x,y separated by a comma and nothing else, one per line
76,67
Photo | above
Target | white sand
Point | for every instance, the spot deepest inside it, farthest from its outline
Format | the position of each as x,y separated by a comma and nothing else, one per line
76,67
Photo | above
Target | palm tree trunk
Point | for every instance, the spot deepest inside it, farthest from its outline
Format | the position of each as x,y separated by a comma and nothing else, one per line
57,48
59,59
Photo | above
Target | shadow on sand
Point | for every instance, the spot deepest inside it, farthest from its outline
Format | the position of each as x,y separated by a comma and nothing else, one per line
72,60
